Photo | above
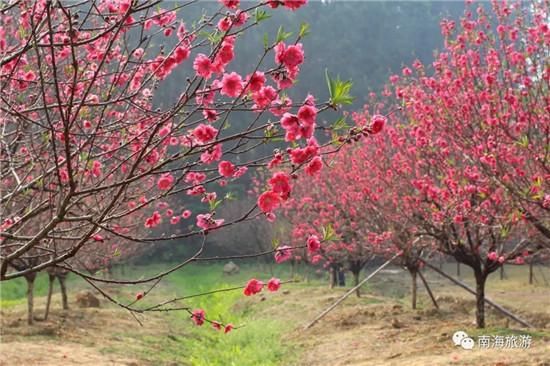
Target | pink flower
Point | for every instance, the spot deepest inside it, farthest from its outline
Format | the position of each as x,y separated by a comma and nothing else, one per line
231,4
226,168
165,181
139,296
198,316
294,4
97,237
316,259
501,259
314,166
216,325
186,214
212,155
377,123
174,220
240,172
283,253
256,81
224,24
154,220
280,183
204,133
519,260
269,201
240,18
492,256
96,168
273,284
232,85
203,66
307,114
290,56
253,287
313,244
205,221
181,54
228,328
270,216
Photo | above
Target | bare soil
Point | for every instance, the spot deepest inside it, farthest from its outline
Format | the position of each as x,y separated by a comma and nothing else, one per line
376,329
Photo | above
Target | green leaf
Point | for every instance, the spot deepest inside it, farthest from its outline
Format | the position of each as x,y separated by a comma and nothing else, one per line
304,30
523,141
339,90
282,35
275,243
504,231
261,15
328,233
340,124
214,204
266,41
116,253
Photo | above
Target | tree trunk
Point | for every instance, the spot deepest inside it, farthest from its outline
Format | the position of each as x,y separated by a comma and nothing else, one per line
458,269
30,297
480,299
530,272
332,278
61,279
413,288
502,272
51,279
341,278
356,282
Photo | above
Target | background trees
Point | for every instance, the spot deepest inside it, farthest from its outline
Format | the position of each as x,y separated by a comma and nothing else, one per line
463,163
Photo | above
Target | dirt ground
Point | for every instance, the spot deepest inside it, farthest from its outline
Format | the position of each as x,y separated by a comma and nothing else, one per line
386,334
375,329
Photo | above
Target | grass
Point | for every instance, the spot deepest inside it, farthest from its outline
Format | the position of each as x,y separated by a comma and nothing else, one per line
257,339
14,292
260,337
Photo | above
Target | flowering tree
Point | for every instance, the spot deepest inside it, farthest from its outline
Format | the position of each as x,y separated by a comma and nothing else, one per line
462,128
360,199
85,149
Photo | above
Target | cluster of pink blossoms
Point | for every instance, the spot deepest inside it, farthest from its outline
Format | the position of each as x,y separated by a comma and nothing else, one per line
198,316
255,286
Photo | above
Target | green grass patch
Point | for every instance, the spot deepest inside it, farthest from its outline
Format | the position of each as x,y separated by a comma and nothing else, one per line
257,339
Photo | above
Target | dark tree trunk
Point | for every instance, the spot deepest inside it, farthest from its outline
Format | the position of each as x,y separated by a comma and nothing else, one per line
341,278
480,298
502,275
413,287
61,278
30,297
356,282
51,279
458,269
333,277
530,272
